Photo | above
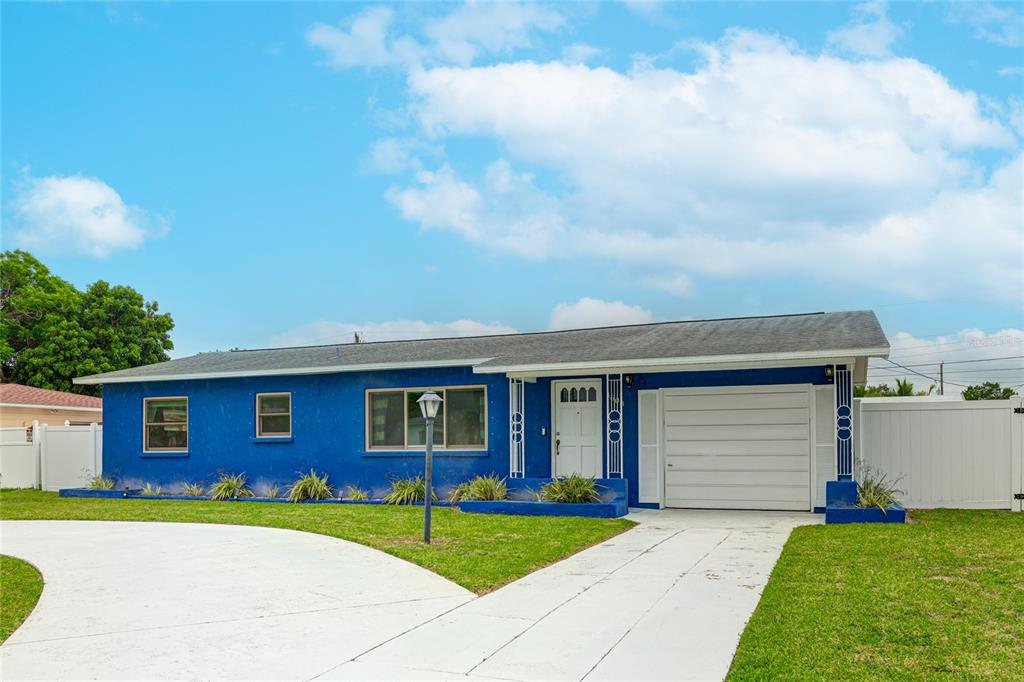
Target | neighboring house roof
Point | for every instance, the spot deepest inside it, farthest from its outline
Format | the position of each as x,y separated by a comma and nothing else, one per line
16,395
781,337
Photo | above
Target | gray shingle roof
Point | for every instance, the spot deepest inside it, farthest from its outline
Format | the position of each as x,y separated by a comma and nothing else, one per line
822,333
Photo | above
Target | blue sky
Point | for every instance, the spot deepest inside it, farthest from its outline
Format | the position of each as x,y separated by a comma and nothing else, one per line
288,173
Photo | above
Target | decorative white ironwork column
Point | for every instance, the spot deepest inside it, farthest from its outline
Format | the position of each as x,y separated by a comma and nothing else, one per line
613,401
844,424
516,428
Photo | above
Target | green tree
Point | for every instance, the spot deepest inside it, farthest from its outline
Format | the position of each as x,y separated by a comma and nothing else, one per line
877,391
904,389
989,390
50,332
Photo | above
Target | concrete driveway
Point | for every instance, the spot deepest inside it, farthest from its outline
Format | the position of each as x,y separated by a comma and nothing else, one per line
666,600
197,601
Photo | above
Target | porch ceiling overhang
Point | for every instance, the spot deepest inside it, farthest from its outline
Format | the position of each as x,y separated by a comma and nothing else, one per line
855,357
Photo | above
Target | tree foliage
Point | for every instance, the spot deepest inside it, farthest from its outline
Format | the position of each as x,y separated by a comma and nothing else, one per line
989,390
51,332
904,389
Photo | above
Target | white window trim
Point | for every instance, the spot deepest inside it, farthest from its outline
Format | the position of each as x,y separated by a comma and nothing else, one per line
273,394
145,424
405,423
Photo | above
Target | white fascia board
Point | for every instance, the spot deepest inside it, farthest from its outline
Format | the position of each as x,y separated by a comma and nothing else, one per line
707,362
69,408
294,371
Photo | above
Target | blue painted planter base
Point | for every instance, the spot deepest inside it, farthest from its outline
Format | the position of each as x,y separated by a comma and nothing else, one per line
134,495
597,510
839,514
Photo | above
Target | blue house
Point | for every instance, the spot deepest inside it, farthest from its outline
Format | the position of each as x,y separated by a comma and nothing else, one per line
742,413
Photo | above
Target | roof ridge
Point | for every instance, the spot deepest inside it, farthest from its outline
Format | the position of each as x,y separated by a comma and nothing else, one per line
540,332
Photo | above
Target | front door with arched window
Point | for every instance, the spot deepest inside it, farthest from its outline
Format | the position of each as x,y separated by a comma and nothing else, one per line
576,415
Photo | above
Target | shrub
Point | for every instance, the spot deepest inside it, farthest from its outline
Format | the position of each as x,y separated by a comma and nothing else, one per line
874,491
230,486
193,489
408,491
310,486
101,483
150,490
354,492
480,488
272,491
573,489
459,493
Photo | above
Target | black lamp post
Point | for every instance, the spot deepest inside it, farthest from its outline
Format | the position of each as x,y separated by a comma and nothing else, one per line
430,403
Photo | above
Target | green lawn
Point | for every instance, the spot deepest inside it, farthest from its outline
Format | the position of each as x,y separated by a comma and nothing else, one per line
20,587
478,551
940,597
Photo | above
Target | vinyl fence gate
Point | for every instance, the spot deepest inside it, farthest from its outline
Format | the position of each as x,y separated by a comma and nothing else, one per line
965,454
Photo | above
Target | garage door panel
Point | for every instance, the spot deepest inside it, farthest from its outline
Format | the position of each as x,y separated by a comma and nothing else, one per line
794,415
739,493
741,447
738,432
736,401
796,479
737,449
737,462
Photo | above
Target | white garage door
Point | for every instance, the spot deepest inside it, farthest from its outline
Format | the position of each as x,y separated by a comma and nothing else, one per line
737,447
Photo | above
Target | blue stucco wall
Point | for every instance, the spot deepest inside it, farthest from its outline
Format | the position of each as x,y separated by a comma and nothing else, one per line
327,425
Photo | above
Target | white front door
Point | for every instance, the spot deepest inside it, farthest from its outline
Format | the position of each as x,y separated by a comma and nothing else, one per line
577,427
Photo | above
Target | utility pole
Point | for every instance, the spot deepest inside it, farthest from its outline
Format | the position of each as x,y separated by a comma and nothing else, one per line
942,378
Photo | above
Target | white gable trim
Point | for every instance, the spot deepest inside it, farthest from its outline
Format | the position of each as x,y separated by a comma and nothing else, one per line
842,356
101,379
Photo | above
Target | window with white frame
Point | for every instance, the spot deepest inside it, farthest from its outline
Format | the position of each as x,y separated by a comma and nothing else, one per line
165,427
273,415
394,420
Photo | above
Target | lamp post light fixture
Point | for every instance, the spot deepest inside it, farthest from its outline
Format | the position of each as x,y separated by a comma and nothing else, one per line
429,403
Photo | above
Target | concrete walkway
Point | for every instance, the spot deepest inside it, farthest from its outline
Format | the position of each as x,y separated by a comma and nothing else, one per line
666,600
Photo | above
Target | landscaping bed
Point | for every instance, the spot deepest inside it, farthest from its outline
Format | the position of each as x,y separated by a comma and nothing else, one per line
478,551
942,596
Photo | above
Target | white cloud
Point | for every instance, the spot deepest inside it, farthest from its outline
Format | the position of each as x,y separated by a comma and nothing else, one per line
579,53
506,213
486,27
395,154
78,214
364,41
324,331
592,312
586,312
678,284
993,356
870,34
371,39
1011,71
763,160
1002,24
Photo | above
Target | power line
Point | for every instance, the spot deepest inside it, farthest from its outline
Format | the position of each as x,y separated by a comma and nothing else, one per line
960,362
990,370
932,379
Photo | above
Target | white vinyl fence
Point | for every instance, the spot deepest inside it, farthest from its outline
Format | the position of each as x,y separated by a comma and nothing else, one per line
57,457
967,454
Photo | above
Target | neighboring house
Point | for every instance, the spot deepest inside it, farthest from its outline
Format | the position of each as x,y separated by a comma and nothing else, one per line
21,405
746,413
